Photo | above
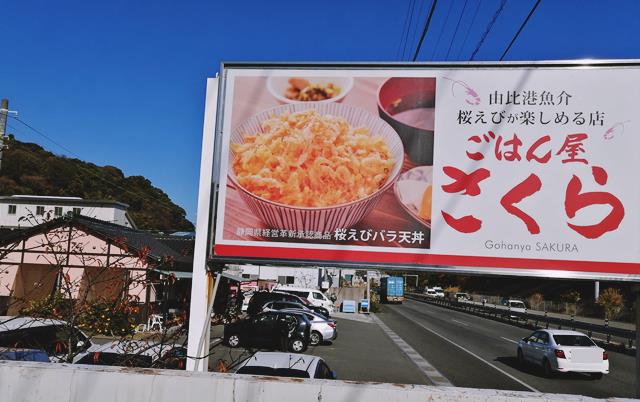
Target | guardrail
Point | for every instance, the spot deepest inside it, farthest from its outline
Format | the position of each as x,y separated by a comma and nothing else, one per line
505,313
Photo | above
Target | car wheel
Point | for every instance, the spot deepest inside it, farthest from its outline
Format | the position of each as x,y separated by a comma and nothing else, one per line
520,357
315,338
546,368
233,341
596,376
297,345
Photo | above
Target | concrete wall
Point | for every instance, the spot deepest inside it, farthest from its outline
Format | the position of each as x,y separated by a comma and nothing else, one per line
113,214
32,382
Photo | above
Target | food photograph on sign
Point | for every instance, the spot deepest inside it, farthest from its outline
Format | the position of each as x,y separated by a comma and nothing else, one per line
330,160
520,168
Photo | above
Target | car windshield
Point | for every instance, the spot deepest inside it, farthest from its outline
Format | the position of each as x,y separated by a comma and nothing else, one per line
573,340
278,372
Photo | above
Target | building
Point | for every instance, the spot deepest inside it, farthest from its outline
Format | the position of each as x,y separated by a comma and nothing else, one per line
88,259
20,211
323,278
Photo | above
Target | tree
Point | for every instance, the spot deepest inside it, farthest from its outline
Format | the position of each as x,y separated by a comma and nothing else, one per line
571,299
535,300
612,302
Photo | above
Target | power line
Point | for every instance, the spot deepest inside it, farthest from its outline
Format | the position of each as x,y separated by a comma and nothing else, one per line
489,27
426,28
417,27
91,172
444,24
533,9
455,32
466,36
404,28
406,34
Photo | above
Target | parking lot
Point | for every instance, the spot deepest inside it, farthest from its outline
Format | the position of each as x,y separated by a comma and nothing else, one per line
362,352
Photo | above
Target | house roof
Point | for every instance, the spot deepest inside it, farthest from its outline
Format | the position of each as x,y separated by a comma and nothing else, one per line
162,248
70,201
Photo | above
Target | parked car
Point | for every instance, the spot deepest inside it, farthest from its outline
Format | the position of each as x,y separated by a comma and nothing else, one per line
271,329
259,299
322,328
52,336
563,351
55,336
286,365
280,305
313,296
24,355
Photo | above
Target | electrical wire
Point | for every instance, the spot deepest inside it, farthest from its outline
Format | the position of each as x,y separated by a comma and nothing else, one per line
444,24
533,9
404,28
406,34
466,36
488,29
417,25
426,28
455,32
91,172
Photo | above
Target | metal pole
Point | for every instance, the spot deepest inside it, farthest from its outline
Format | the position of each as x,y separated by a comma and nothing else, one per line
203,343
4,110
597,290
368,292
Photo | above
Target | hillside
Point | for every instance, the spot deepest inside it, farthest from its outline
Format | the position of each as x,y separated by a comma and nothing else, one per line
31,170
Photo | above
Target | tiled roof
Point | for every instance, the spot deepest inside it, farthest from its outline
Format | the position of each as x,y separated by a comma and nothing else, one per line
161,247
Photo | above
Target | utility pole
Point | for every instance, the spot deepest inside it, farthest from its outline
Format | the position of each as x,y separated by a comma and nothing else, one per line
4,110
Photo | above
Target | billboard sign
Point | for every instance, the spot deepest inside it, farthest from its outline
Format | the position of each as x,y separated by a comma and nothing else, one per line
527,167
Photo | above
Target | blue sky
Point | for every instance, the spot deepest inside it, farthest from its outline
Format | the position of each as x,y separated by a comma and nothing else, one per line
122,82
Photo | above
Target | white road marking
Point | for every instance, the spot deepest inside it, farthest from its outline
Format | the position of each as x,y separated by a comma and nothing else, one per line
429,371
509,340
460,322
524,384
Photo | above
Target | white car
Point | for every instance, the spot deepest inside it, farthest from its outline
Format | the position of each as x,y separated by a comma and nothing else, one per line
322,329
313,296
439,291
281,364
430,293
516,306
563,351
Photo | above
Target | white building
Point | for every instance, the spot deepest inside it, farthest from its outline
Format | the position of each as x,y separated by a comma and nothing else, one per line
304,277
20,211
321,278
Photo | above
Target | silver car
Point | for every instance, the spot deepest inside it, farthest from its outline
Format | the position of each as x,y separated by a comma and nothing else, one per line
322,329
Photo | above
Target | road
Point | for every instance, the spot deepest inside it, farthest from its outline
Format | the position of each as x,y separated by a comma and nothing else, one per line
362,352
474,352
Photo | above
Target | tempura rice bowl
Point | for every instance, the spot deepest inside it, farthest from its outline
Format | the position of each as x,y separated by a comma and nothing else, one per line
318,219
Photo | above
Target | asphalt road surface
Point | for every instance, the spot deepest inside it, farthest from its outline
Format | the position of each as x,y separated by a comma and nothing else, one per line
362,352
475,352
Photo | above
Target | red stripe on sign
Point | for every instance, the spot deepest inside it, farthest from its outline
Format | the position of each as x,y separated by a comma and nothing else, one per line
424,259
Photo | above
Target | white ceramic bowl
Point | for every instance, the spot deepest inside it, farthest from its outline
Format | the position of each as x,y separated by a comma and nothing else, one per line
277,86
423,174
318,219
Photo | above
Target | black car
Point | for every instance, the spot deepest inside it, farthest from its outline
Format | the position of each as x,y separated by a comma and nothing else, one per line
272,330
282,305
259,299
